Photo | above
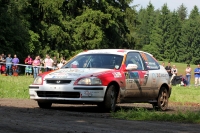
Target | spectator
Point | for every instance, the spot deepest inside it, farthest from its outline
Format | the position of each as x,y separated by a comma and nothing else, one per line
55,62
174,70
168,68
197,75
2,64
3,56
28,69
36,65
48,63
62,60
163,64
9,65
15,61
40,68
188,74
46,57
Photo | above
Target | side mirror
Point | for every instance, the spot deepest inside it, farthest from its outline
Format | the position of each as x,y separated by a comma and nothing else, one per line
131,67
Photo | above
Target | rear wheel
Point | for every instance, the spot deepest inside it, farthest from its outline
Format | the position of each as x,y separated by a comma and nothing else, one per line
44,105
109,103
162,103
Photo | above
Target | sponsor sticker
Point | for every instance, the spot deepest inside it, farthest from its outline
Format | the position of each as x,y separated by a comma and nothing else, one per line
117,74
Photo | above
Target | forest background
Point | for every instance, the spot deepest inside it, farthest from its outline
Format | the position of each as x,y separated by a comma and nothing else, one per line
66,27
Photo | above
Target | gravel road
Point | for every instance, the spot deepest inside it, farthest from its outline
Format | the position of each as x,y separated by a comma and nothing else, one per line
24,116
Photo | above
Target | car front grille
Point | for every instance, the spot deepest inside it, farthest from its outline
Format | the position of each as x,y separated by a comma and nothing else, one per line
58,94
58,81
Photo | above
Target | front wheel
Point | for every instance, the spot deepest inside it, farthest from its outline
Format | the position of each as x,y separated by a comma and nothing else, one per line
163,99
110,99
44,105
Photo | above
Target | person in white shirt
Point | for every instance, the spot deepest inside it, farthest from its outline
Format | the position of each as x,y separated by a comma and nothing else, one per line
48,63
174,72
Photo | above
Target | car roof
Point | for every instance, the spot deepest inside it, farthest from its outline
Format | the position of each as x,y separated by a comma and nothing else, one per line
112,51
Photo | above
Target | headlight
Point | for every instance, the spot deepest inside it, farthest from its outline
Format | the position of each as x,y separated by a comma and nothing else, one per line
38,80
89,81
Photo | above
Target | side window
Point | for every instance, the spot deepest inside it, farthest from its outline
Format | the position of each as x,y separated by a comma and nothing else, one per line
135,58
150,62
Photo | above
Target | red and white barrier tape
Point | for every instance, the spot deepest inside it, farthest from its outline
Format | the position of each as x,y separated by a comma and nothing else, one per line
26,65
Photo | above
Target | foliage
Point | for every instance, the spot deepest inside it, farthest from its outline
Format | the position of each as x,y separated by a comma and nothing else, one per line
65,27
182,12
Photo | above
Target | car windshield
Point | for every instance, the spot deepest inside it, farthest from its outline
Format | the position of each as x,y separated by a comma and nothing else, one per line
108,61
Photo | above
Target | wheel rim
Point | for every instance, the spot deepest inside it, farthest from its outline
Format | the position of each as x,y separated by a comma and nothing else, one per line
163,99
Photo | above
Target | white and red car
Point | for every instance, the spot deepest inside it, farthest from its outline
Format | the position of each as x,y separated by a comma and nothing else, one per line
105,77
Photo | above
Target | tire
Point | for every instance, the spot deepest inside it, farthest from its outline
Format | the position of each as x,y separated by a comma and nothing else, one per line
44,105
162,103
110,99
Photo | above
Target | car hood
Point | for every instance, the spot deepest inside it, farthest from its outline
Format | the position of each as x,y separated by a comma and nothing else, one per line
75,73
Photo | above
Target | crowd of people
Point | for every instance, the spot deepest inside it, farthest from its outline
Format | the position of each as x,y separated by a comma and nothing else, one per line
10,65
173,71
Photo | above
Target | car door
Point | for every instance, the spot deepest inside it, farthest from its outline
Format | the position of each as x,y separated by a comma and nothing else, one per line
153,71
136,80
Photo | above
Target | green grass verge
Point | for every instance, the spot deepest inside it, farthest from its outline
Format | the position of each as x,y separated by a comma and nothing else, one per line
185,94
144,114
180,94
15,87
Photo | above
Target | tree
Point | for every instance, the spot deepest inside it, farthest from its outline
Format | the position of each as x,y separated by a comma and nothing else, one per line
147,19
155,39
182,12
13,34
194,13
173,41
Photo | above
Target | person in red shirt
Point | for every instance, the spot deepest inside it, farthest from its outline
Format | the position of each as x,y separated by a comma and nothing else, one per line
28,69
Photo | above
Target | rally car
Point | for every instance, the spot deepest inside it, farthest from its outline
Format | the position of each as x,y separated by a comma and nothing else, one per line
105,77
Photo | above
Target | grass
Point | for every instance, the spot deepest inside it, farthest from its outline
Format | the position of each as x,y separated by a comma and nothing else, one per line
185,94
15,87
181,95
144,114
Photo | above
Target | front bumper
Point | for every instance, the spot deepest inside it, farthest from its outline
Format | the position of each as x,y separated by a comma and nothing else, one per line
68,93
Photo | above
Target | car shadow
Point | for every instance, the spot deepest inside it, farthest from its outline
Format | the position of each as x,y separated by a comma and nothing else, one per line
87,108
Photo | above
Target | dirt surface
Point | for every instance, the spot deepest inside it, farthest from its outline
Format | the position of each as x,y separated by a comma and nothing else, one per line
24,116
